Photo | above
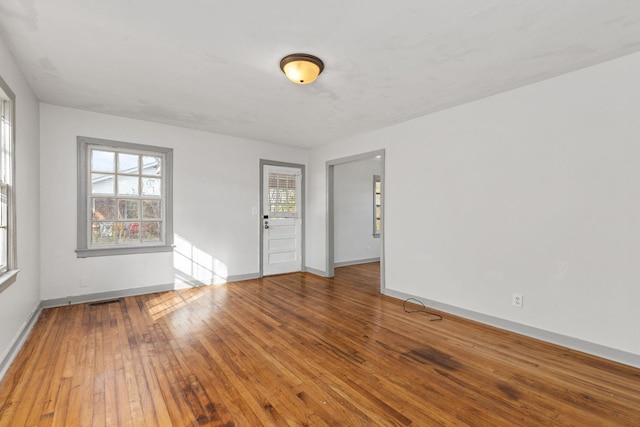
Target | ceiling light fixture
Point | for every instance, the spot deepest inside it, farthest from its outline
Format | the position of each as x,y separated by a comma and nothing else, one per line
301,68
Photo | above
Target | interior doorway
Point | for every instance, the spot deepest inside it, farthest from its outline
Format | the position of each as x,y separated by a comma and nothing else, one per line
333,211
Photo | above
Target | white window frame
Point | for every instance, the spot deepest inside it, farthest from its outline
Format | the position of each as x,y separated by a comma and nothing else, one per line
8,266
85,212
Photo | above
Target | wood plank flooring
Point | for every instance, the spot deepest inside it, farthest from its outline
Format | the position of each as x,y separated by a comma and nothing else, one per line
300,350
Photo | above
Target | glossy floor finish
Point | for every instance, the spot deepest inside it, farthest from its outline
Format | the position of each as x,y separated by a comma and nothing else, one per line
299,350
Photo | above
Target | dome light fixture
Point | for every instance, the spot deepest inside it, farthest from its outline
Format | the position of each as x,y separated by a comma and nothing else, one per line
301,68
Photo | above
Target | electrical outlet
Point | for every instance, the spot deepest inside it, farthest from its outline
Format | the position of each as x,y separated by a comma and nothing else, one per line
516,301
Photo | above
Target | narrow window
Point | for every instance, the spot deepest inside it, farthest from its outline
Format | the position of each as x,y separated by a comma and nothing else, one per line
377,205
8,262
124,200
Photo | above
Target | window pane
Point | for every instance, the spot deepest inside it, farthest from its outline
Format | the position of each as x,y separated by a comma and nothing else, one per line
104,209
128,185
151,186
3,207
128,209
150,231
128,163
3,249
151,165
103,161
128,232
103,233
102,183
151,209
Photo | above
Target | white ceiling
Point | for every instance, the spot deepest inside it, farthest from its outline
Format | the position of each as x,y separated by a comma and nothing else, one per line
214,65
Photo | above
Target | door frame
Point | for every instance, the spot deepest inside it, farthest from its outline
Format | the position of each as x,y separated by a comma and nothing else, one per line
330,241
263,163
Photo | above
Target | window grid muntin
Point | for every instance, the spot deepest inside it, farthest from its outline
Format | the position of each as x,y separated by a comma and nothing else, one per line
118,232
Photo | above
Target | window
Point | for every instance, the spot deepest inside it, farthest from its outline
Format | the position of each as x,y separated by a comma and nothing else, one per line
124,198
377,205
8,268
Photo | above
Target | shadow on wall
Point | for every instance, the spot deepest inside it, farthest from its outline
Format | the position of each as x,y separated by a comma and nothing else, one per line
195,267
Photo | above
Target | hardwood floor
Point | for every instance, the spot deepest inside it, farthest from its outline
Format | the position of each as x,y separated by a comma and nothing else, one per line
299,350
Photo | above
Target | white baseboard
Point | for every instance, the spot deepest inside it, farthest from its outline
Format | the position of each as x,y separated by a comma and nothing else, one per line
18,342
605,352
241,277
316,272
101,296
356,262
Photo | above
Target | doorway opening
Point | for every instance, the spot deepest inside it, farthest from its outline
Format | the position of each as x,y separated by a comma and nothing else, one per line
346,202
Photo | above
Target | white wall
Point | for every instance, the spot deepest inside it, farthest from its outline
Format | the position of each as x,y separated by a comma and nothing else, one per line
19,300
353,211
216,185
534,191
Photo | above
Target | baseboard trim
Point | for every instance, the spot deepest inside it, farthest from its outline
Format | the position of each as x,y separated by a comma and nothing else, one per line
19,340
316,272
593,349
100,296
241,277
356,262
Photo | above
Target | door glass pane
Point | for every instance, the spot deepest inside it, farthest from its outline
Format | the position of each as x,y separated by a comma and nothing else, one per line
282,194
128,209
151,209
102,183
128,163
151,165
150,231
103,161
128,185
151,186
104,209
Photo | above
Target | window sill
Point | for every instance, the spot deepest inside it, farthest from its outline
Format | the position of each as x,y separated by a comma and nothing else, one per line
87,253
7,278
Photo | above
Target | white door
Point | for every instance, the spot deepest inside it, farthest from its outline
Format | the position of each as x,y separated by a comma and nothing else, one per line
281,219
